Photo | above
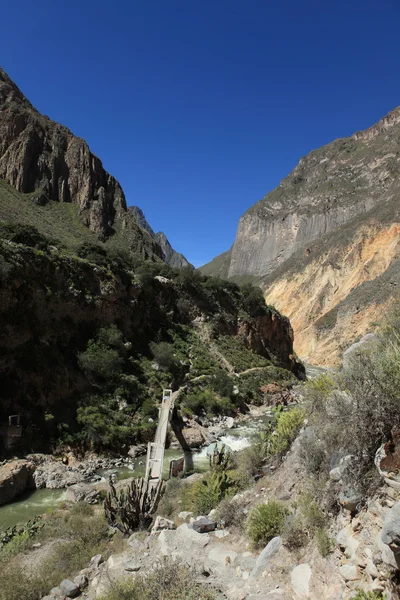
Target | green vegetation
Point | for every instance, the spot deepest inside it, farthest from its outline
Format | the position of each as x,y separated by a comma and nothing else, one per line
169,581
238,355
361,595
354,412
288,425
266,521
77,535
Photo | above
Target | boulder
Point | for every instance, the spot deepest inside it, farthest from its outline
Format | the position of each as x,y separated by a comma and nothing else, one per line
349,572
265,557
204,525
82,492
229,422
350,498
139,450
56,475
185,515
390,534
69,588
96,561
162,523
81,581
347,542
222,556
300,580
183,542
366,342
15,478
387,460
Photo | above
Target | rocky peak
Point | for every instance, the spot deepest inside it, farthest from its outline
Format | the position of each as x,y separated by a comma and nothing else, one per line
170,256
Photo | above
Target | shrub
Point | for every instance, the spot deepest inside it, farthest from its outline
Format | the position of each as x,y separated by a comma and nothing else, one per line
295,534
93,253
289,424
222,384
209,403
324,542
164,355
168,581
206,493
266,521
361,595
25,234
253,300
232,512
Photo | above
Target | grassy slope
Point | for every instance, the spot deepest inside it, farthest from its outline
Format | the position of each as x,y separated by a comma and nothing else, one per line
61,221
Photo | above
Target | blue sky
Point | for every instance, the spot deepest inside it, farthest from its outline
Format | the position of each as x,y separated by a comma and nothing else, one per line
199,108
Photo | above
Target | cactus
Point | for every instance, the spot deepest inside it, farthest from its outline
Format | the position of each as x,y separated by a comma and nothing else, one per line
131,507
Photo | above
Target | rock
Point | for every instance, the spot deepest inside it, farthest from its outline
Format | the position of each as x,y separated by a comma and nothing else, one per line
81,492
69,588
183,542
55,475
204,525
390,534
49,598
265,557
366,342
222,557
161,523
185,515
349,572
15,478
81,581
347,542
36,546
387,460
139,450
96,561
229,422
132,567
350,499
221,533
335,474
300,580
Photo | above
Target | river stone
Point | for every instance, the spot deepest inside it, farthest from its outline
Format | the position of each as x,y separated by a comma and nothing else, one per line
300,579
15,478
266,555
69,588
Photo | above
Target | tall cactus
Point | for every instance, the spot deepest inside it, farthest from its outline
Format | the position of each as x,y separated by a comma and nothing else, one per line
131,507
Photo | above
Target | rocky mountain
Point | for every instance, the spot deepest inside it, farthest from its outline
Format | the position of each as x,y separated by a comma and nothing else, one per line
170,256
324,245
47,162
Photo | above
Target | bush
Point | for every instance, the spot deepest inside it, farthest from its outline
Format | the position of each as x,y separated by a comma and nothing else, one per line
253,300
355,411
169,581
25,234
164,355
208,403
206,493
222,384
232,512
93,253
324,542
361,595
295,534
266,521
289,424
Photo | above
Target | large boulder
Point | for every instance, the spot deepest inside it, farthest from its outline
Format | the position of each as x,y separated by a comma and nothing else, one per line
265,557
204,525
81,492
365,343
55,475
300,579
390,534
15,478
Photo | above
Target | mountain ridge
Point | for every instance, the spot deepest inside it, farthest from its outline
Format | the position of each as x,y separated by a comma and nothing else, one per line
342,183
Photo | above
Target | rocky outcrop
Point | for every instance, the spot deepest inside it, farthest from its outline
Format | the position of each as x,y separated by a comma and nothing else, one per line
45,159
324,244
170,256
15,478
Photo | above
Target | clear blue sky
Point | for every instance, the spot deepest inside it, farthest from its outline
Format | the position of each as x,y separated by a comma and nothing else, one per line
199,108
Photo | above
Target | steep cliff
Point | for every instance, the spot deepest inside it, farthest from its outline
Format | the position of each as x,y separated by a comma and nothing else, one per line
45,160
352,185
174,259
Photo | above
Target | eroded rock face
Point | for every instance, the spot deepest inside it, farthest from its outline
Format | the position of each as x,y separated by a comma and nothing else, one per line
15,478
39,154
325,244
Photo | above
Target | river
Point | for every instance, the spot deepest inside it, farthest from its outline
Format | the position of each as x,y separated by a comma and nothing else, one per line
37,502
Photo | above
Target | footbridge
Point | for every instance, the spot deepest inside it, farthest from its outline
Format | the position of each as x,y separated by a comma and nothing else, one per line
155,450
